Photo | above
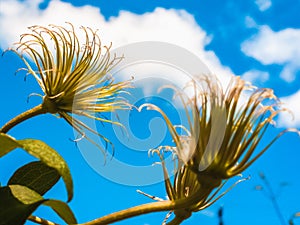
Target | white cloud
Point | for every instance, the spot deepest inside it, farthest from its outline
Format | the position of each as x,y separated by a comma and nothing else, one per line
270,47
172,26
16,16
291,102
263,4
250,22
254,76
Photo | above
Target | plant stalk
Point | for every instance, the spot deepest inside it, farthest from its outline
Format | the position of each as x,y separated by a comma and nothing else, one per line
166,205
134,211
274,200
37,110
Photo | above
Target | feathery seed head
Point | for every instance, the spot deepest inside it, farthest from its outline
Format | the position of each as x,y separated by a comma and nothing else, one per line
224,130
73,76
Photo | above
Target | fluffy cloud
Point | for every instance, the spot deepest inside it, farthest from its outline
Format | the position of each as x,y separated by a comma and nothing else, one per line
263,4
291,102
172,26
16,16
250,22
256,76
270,47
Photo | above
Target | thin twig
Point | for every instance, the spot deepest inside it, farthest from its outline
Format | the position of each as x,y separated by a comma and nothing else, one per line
273,199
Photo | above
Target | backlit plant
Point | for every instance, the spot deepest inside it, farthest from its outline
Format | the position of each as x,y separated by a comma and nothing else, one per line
221,138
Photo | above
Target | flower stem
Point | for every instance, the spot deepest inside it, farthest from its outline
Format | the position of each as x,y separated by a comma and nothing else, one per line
160,206
37,110
134,211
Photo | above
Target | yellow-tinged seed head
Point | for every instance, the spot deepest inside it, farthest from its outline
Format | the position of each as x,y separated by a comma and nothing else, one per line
225,127
73,76
231,128
224,130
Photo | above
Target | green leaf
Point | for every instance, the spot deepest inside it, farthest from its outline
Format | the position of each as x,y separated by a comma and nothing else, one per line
51,158
13,211
43,152
63,210
25,194
18,202
7,144
36,176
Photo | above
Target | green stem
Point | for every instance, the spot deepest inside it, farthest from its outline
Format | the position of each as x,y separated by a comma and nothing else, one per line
37,110
134,211
148,208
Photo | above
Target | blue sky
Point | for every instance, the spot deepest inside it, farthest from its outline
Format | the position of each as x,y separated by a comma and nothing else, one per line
258,40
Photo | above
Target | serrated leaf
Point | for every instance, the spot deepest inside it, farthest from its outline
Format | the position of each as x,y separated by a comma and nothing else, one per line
7,144
63,210
12,210
51,158
36,176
